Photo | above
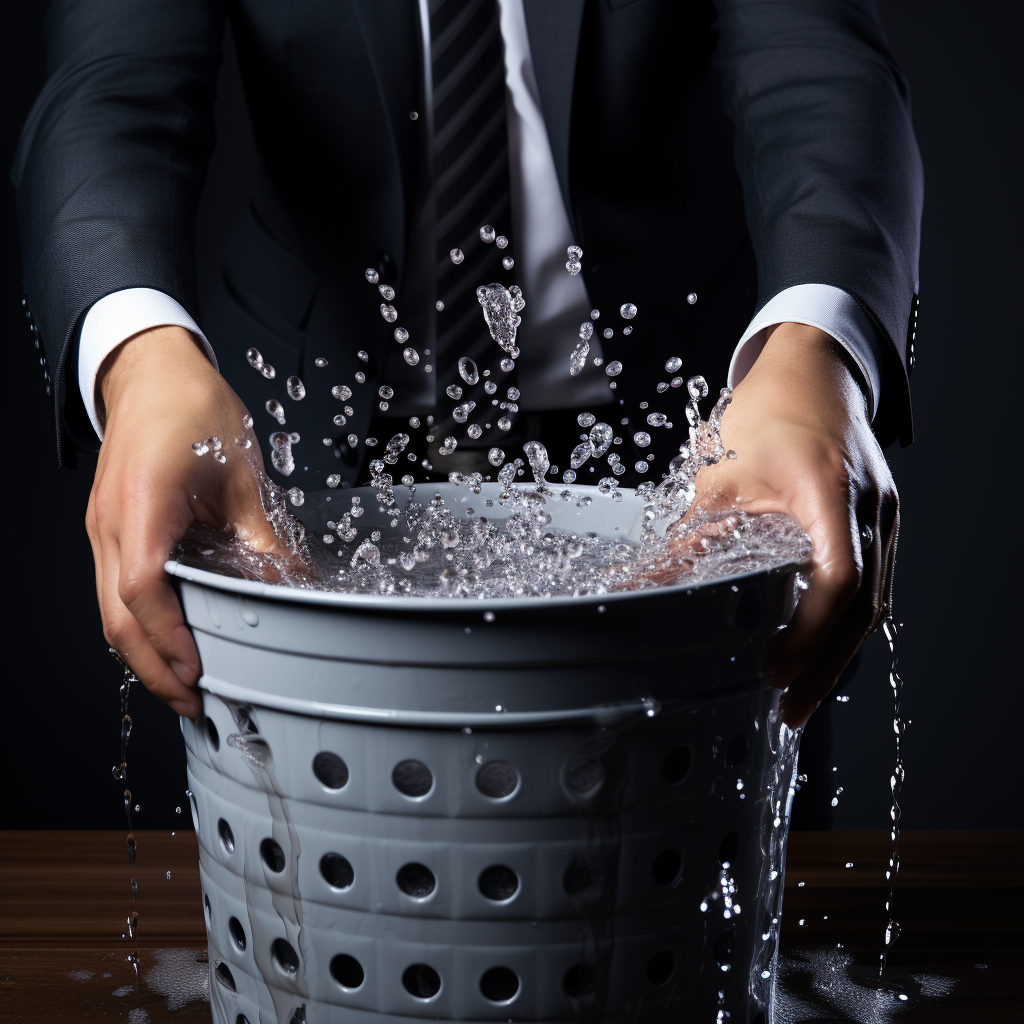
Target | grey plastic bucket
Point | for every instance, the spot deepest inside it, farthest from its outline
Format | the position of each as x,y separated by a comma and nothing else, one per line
513,810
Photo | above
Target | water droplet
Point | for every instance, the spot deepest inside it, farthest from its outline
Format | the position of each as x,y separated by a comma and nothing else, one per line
508,263
408,479
448,446
401,335
691,298
641,439
296,389
614,368
697,387
453,391
457,256
504,423
601,435
385,392
360,377
627,311
507,365
254,358
411,356
501,241
487,233
608,332
495,456
413,115
575,253
574,267
673,364
388,312
657,419
627,329
276,410
200,447
439,306
295,496
220,457
586,419
461,412
371,442
352,440
342,393
475,431
334,479
468,370
490,387
371,275
268,371
320,362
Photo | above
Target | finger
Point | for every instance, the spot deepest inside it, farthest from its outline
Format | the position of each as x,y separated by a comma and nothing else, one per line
822,670
126,636
145,589
836,573
244,511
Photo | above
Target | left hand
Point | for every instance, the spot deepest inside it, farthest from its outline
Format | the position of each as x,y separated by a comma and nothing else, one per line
798,423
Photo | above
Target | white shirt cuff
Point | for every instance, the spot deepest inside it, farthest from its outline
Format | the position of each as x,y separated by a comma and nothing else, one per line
117,317
831,310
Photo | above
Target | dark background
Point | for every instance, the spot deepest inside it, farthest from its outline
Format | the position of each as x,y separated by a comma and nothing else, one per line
60,712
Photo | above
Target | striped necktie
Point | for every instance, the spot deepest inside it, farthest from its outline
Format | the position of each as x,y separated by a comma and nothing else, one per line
473,214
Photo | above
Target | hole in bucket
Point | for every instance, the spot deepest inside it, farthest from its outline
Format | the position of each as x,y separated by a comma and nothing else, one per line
237,933
498,883
729,849
412,778
272,854
347,971
579,981
330,769
497,779
676,764
667,867
723,949
499,984
584,774
416,880
584,877
195,811
285,957
298,1015
661,967
337,871
211,734
421,981
225,977
241,1019
736,752
227,839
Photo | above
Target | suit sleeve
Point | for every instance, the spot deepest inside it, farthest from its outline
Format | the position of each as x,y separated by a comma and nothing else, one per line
110,168
831,173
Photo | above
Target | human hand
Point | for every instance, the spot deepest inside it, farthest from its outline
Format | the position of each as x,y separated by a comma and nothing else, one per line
798,423
159,394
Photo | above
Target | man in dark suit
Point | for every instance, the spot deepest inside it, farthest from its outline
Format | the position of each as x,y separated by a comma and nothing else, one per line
744,173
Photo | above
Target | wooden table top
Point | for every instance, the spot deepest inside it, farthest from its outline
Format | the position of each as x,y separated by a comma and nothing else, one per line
65,898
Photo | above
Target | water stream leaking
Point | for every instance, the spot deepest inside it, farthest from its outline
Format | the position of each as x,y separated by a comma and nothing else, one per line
892,929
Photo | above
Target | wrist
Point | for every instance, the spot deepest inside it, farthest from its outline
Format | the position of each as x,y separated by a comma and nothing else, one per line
144,363
805,366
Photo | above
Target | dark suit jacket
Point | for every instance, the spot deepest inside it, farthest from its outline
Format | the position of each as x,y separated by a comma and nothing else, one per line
732,148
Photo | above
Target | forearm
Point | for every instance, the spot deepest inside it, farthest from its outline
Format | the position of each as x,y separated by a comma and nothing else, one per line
111,163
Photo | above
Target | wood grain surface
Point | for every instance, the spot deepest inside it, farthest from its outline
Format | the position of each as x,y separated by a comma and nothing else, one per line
65,898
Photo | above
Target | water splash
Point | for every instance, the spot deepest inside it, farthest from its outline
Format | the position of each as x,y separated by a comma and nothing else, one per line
892,929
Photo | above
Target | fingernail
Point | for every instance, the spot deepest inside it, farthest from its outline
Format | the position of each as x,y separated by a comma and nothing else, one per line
183,672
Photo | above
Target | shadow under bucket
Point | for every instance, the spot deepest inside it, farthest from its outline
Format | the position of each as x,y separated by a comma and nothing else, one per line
522,809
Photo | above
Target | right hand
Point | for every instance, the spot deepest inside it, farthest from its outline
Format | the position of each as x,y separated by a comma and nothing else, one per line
159,394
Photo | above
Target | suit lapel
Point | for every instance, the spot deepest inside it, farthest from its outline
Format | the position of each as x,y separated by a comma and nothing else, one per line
553,27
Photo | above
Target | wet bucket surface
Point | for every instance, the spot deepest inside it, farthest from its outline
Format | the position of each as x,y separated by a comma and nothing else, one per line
409,808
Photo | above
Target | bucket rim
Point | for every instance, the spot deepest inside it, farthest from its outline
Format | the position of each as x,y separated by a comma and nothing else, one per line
402,603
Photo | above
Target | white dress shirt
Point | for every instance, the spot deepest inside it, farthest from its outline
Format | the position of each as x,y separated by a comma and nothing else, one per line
557,301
